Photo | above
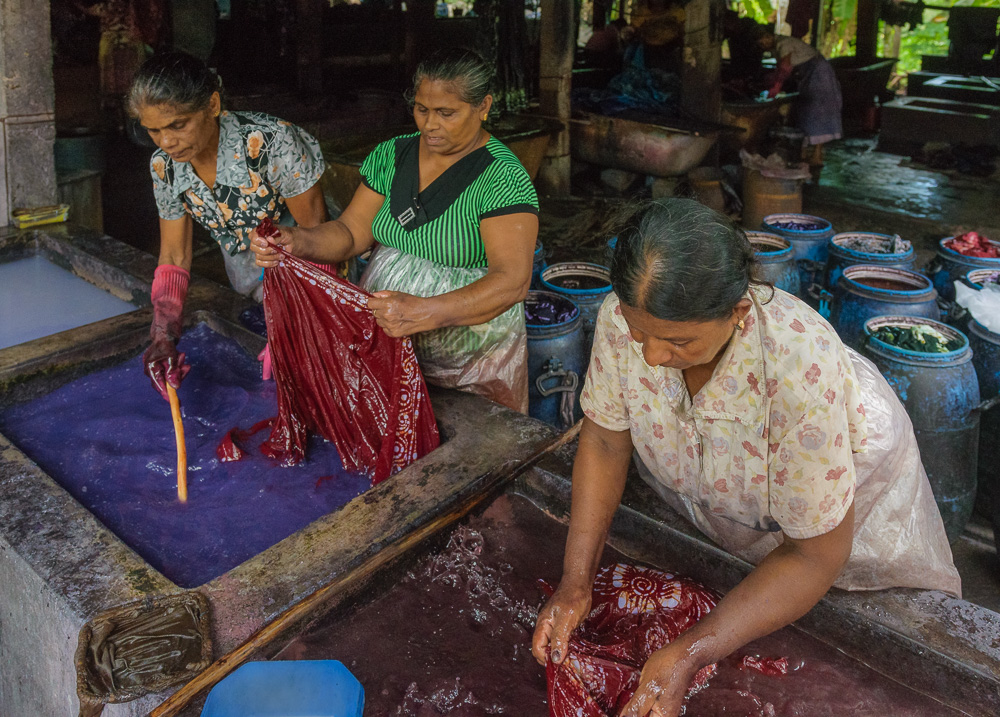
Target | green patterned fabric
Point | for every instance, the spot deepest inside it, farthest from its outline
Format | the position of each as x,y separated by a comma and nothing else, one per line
441,223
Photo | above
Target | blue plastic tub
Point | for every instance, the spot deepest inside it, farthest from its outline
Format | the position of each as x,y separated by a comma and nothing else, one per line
305,688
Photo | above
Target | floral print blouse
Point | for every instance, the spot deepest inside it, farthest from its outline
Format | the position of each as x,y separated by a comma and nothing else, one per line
261,161
767,442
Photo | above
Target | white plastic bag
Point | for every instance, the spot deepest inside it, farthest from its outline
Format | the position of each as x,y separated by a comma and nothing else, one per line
984,304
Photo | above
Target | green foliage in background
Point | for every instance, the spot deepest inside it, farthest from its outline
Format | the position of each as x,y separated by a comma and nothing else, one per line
930,38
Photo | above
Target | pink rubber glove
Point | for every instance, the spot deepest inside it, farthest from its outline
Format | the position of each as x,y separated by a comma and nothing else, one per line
162,362
265,358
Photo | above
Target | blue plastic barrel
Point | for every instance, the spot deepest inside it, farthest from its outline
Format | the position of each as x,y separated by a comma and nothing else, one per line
776,259
587,285
985,345
941,395
305,688
952,266
809,244
537,264
557,358
866,291
839,256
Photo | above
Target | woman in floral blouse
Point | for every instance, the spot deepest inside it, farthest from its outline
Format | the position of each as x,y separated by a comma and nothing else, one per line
225,170
746,413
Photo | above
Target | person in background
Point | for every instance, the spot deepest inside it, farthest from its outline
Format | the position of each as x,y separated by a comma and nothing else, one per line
228,171
454,218
743,410
818,105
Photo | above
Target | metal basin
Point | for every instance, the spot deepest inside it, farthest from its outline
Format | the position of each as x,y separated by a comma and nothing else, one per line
641,147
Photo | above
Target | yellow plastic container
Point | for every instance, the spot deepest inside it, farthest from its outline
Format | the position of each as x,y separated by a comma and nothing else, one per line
37,216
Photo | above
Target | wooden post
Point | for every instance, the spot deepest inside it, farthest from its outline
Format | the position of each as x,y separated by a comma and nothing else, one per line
309,46
866,45
558,46
701,88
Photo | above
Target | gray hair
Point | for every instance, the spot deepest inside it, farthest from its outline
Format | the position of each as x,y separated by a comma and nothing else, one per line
678,260
466,70
173,78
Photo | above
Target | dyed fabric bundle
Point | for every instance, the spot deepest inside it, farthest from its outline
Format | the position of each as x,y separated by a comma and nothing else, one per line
339,375
636,611
973,244
875,244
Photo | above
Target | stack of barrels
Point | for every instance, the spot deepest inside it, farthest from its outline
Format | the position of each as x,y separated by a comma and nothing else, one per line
862,282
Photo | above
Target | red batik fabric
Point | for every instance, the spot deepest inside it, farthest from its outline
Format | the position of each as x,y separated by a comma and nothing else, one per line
340,375
636,611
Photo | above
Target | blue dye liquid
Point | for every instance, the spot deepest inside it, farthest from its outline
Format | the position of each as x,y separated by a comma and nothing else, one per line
38,299
108,439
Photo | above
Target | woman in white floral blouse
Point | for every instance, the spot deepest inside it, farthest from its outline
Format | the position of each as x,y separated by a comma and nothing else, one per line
746,413
225,170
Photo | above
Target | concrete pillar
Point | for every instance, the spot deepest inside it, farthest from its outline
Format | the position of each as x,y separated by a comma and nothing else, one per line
701,88
558,46
27,107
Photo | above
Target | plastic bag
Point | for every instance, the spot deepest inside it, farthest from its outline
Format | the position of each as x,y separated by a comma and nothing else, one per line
489,359
899,538
636,611
339,375
984,304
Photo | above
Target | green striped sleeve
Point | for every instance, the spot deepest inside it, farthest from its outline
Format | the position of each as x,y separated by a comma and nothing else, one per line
379,166
509,191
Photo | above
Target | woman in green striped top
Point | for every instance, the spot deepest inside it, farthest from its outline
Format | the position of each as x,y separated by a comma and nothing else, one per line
454,218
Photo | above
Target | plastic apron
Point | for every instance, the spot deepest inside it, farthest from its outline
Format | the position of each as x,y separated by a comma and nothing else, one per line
490,359
899,539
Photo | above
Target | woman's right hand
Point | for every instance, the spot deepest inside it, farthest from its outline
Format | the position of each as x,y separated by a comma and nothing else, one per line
265,253
564,612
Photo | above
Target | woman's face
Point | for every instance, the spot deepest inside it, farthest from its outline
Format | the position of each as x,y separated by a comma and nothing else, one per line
447,124
681,344
182,135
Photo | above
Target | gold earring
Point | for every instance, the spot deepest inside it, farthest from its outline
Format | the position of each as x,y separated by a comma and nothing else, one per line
741,324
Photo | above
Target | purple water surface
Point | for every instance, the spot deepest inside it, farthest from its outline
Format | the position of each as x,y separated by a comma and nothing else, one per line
108,439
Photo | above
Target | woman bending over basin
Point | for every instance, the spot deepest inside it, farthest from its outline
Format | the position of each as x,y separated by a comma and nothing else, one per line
228,171
744,411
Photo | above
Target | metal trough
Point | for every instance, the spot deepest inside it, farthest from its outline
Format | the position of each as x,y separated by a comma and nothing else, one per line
659,150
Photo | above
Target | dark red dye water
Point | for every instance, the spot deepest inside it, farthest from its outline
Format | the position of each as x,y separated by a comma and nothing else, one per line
454,638
886,284
108,439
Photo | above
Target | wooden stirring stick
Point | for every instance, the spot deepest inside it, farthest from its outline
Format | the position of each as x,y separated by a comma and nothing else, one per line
182,458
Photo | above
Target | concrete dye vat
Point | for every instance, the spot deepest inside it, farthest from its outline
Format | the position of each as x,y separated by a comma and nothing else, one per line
60,567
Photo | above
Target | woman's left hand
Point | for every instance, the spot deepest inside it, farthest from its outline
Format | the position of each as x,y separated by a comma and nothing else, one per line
665,679
400,314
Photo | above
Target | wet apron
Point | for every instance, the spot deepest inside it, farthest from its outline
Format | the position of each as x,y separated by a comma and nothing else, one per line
490,359
818,106
899,539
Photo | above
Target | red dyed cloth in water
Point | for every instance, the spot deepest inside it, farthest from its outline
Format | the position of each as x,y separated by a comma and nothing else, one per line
339,375
973,244
635,612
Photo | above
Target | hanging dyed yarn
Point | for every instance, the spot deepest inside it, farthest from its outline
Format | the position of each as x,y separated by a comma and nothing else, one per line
339,374
973,244
636,611
922,338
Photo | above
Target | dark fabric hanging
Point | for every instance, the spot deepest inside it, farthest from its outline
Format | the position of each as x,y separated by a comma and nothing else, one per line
339,375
